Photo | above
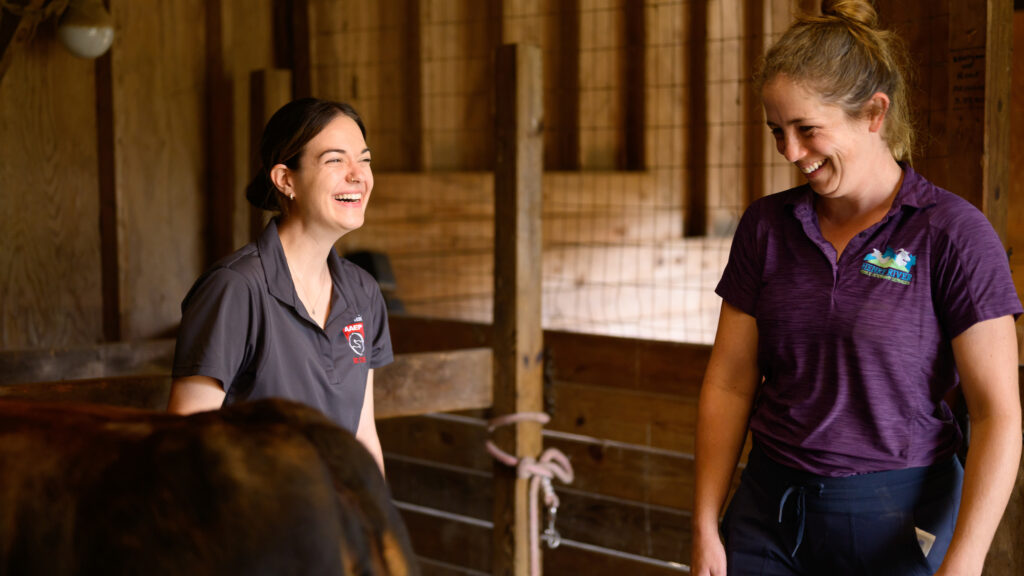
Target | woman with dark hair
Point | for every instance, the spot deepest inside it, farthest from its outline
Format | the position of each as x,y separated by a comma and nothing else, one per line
285,316
852,306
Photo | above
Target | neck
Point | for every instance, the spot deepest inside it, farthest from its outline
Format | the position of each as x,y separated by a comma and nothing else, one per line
874,201
305,252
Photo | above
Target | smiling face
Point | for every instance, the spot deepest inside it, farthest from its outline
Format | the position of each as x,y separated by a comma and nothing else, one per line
333,182
835,152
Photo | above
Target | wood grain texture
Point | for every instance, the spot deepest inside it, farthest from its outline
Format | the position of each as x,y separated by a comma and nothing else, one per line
517,336
159,94
433,382
50,287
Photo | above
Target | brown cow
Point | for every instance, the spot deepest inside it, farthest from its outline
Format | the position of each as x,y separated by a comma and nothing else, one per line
270,487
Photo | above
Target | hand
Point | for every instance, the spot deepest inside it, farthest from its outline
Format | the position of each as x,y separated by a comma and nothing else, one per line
707,558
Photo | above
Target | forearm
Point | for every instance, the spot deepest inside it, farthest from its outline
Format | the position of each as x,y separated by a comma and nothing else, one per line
992,464
721,431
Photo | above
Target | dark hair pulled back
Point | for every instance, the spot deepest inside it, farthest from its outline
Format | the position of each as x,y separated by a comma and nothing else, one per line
284,139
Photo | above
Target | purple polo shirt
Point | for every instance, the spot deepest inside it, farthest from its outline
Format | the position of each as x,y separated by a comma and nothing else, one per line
856,354
243,324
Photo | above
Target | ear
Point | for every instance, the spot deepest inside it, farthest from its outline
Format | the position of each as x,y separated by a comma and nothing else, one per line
281,176
876,109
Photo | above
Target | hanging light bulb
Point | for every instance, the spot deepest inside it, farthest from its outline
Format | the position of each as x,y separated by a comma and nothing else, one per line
86,28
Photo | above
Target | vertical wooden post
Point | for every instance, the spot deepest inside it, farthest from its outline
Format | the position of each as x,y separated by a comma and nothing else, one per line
110,254
518,338
695,221
633,70
754,176
998,77
268,91
220,142
562,146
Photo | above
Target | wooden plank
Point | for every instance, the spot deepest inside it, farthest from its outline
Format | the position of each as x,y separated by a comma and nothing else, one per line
409,335
219,138
145,392
17,29
158,66
655,420
433,382
1015,216
615,470
620,525
518,337
268,91
51,283
463,543
695,221
110,251
449,540
412,135
998,77
562,69
146,357
643,365
754,174
633,86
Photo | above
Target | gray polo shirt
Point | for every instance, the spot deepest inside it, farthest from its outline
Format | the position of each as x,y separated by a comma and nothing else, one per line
243,324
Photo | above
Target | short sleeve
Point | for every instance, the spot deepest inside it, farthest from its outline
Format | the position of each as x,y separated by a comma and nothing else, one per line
382,353
972,280
214,337
741,281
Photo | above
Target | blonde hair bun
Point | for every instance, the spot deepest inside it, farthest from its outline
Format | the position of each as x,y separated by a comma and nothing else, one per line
860,11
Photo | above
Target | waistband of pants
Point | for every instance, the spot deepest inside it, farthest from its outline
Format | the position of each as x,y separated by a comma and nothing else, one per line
847,492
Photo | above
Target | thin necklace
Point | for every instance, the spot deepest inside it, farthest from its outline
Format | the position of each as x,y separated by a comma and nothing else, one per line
312,311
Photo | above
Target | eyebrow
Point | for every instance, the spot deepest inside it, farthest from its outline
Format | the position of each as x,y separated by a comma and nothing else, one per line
339,151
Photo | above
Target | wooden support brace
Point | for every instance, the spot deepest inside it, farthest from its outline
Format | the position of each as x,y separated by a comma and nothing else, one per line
518,337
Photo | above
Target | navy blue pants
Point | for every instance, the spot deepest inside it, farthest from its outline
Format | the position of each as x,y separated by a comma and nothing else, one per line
784,522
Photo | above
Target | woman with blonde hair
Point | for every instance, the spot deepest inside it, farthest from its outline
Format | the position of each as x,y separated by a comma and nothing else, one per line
852,306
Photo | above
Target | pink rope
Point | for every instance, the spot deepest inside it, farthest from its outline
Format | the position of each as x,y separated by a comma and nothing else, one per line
551,464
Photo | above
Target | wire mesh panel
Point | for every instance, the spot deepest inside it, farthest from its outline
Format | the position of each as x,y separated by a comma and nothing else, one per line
640,135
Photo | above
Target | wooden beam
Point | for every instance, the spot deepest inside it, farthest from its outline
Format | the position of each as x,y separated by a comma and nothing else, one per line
220,141
110,252
562,69
412,104
138,374
518,337
292,44
754,175
434,382
633,70
998,78
695,221
268,91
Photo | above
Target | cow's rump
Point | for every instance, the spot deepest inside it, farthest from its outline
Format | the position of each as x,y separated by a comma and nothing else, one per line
270,487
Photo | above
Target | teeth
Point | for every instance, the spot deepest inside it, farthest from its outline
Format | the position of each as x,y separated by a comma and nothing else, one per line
348,197
812,167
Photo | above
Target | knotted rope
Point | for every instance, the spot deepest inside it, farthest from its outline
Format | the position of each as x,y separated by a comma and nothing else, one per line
551,464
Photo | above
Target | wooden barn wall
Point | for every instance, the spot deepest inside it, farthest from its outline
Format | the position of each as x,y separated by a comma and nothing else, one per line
158,77
50,285
104,246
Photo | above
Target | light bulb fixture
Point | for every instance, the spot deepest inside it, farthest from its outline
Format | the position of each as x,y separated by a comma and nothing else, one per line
86,28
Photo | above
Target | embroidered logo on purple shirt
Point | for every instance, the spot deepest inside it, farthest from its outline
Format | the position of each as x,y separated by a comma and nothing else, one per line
893,265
